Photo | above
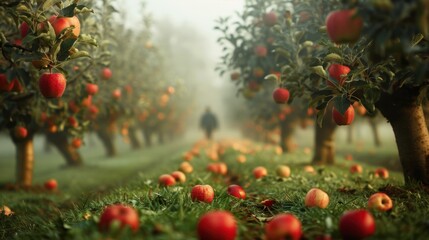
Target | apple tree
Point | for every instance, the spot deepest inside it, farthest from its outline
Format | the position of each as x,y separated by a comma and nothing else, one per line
39,41
383,47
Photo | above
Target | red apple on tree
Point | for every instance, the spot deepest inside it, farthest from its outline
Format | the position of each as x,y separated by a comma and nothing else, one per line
338,73
217,225
270,19
283,226
116,94
316,198
344,26
61,23
5,86
20,132
76,142
91,88
106,73
236,191
261,51
52,85
51,184
125,215
235,75
357,224
281,95
380,201
202,193
343,119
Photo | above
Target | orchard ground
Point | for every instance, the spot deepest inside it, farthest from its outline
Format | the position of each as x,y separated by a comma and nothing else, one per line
72,212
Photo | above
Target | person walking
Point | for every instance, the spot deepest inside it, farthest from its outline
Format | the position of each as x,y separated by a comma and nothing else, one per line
208,123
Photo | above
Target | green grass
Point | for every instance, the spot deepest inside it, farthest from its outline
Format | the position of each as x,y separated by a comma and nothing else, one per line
169,213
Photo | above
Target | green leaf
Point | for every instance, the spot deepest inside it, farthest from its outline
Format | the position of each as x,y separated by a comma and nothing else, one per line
272,77
63,54
341,103
80,54
319,70
48,4
333,57
69,11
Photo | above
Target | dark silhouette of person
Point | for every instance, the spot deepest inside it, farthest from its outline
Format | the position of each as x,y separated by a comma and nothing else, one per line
208,123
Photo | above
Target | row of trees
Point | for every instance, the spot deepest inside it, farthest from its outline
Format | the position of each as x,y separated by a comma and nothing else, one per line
67,68
332,55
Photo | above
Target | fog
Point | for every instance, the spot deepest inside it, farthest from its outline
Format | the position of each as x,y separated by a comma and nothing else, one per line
186,26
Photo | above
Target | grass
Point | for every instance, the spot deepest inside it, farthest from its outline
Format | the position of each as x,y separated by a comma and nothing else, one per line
169,213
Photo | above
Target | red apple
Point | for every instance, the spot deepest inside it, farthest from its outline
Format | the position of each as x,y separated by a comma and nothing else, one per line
338,73
5,210
222,168
344,26
51,184
268,202
235,75
186,167
5,86
202,193
217,225
236,191
283,171
281,95
343,119
179,176
166,180
106,73
91,88
24,28
125,215
309,169
356,168
261,51
258,72
52,85
241,158
73,122
283,226
20,132
380,201
316,198
382,173
270,19
260,172
61,23
76,142
357,224
116,94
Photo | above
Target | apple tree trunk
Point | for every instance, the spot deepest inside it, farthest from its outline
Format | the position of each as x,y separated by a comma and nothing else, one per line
350,134
286,139
24,159
324,142
147,135
61,142
374,130
405,114
107,139
135,142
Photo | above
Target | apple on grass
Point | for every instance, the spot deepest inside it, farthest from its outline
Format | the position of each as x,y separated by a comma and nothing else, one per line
283,171
356,168
283,226
380,201
166,180
357,224
179,176
316,198
260,172
51,184
5,210
126,216
382,173
217,225
186,167
202,193
236,191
